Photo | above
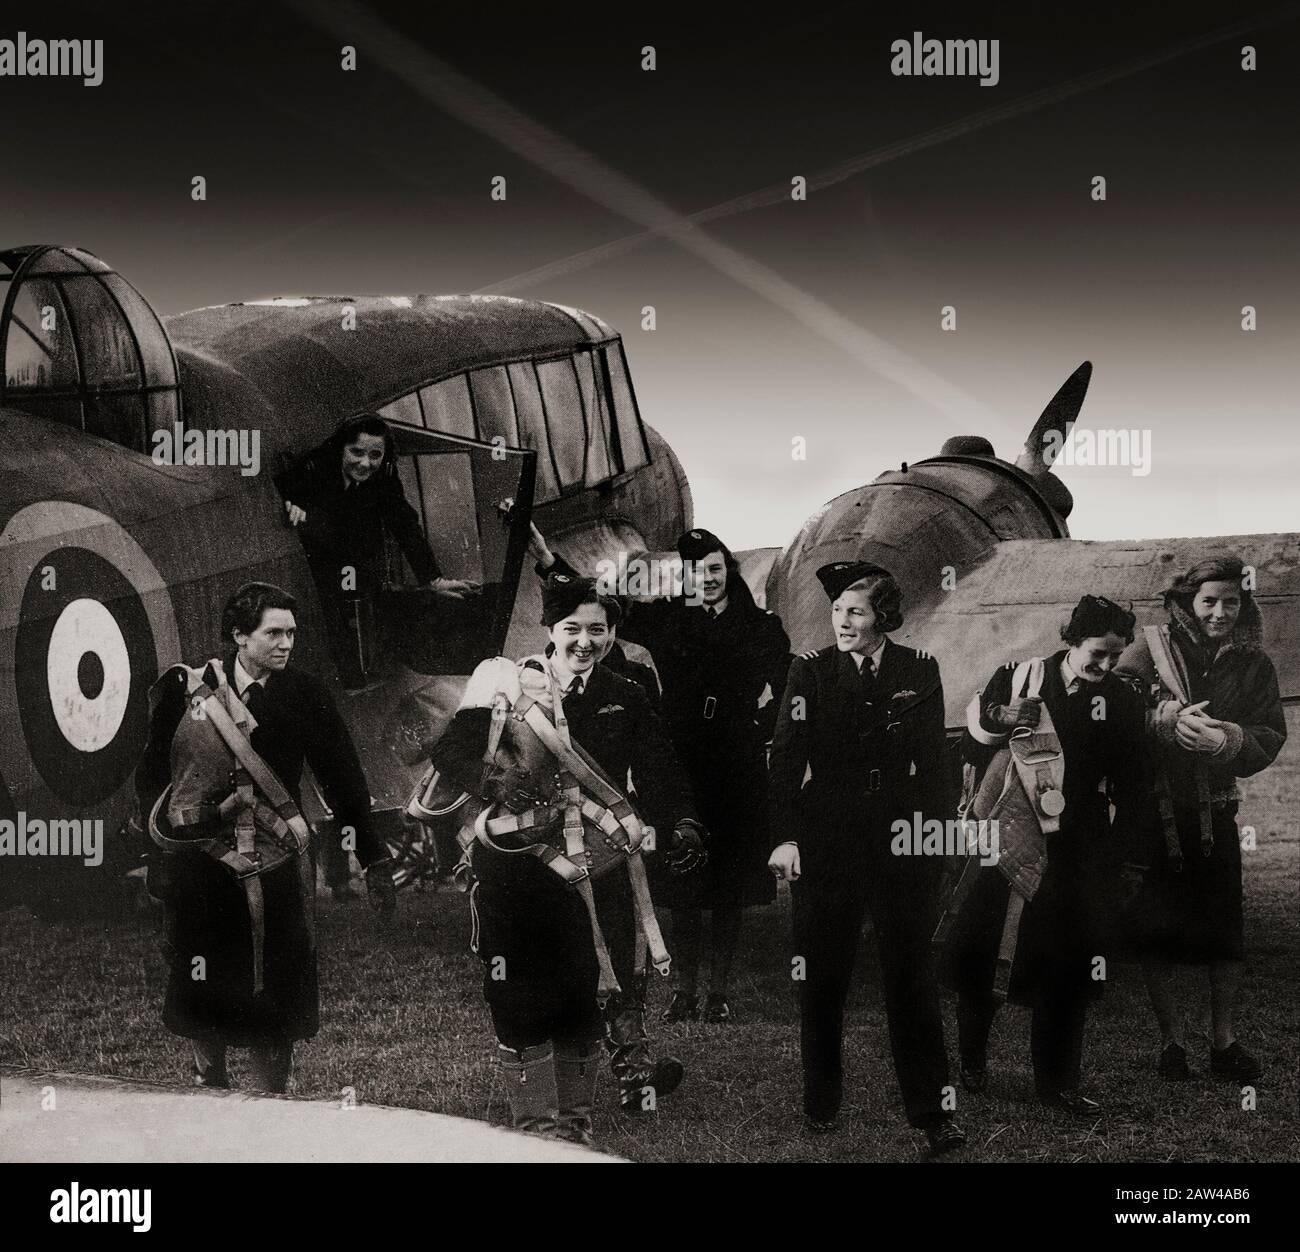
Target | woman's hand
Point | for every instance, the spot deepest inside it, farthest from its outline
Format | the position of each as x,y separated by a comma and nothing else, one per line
454,588
784,862
1196,731
296,514
1025,712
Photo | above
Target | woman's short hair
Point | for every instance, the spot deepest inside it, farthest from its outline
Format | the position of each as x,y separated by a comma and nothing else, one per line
244,610
1216,569
886,599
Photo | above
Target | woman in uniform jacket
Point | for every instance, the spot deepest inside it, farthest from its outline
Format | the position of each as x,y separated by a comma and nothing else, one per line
207,914
532,932
344,498
866,718
1226,724
1060,960
716,653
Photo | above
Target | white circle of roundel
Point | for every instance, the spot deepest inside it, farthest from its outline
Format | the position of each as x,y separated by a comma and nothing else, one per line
87,723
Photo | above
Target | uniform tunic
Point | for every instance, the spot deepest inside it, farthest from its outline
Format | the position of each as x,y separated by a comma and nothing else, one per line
714,671
346,522
524,912
876,749
206,908
344,529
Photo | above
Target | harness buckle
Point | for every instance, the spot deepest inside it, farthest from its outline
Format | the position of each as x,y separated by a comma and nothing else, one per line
710,705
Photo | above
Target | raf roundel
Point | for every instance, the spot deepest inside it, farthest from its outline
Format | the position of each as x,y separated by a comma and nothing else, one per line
91,623
88,670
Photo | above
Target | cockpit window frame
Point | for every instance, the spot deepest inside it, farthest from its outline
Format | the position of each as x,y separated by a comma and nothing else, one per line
617,422
82,398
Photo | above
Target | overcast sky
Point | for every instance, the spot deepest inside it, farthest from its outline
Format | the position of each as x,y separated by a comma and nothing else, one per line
818,318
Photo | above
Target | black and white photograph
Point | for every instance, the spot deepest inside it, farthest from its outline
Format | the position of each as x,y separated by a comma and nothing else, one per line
682,587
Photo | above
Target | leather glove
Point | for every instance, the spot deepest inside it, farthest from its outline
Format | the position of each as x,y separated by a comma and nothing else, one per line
380,887
686,850
1026,711
1200,734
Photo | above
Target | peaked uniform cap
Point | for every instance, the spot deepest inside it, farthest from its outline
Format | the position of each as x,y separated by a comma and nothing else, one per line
696,544
840,574
562,593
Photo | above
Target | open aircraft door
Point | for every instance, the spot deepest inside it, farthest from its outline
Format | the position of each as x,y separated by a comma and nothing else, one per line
457,486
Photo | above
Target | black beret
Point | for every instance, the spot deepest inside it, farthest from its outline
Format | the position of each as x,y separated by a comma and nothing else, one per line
695,545
1095,616
840,574
562,593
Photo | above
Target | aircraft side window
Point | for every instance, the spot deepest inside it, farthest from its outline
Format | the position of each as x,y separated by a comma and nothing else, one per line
108,350
531,418
494,405
446,406
404,409
155,351
633,451
600,465
564,420
397,571
40,352
83,347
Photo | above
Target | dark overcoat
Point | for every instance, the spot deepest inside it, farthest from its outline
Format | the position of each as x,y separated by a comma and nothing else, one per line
873,754
346,523
206,907
1193,912
1071,919
714,671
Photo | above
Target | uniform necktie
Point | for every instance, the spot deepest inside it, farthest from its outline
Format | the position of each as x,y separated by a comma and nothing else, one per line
575,689
255,699
712,614
867,676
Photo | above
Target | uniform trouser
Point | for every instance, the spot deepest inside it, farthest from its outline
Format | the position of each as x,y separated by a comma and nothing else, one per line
1055,1034
843,877
270,1064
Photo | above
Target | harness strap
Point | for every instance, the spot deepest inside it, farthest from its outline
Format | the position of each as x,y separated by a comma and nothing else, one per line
608,984
965,885
647,924
257,916
1007,948
1173,674
257,769
281,818
1037,754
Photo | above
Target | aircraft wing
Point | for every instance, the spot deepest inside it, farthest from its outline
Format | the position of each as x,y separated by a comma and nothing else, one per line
1013,601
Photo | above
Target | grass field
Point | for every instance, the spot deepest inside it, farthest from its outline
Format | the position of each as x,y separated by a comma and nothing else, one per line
404,1024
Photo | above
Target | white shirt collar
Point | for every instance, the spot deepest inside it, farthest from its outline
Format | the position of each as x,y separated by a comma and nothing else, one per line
565,676
242,679
1069,678
859,658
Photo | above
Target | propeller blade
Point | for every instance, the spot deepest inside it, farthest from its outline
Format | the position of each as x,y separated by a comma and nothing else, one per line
1061,412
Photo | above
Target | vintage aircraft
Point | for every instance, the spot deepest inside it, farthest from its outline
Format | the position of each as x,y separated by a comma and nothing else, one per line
113,566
